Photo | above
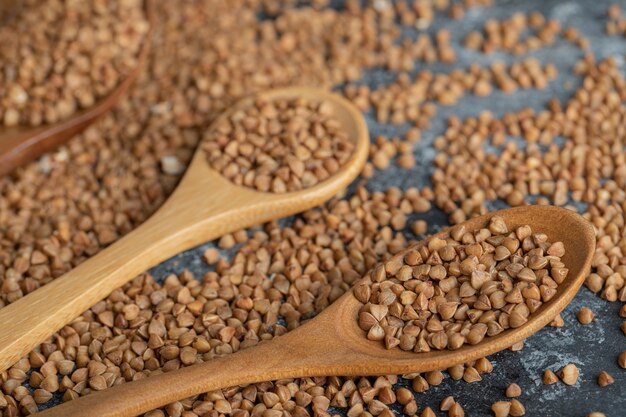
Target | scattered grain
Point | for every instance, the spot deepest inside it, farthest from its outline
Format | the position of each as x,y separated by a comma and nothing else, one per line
513,390
517,408
604,379
111,178
549,377
585,315
569,374
428,412
501,408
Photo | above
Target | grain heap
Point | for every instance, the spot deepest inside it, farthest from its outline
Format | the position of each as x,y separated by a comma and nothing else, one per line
58,57
279,145
460,288
74,202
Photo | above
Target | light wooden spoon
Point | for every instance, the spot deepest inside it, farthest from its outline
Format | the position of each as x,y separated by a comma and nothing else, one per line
204,206
333,344
22,144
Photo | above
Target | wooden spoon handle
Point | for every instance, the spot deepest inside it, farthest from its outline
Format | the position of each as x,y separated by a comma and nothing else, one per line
35,317
203,207
184,221
174,228
280,358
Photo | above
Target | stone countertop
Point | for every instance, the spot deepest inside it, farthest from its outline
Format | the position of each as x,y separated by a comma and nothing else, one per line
592,348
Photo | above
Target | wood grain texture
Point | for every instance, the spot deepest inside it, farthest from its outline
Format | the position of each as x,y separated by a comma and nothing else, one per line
22,144
204,206
333,344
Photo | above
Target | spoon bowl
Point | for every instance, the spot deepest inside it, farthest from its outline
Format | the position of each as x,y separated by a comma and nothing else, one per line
558,224
332,344
204,206
22,144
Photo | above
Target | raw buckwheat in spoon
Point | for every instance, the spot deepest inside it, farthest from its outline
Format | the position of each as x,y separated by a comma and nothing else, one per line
204,206
279,145
459,288
333,343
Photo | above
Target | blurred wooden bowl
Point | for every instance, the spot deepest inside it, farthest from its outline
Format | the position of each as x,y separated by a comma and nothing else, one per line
22,144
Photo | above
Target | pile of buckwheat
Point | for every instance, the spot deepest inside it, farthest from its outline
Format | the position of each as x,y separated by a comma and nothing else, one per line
60,56
458,289
279,145
263,282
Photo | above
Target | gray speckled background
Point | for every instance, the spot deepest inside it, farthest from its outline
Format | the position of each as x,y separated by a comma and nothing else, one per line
592,348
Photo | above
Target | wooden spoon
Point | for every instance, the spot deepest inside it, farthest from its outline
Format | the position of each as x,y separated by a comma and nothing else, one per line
333,344
204,206
22,144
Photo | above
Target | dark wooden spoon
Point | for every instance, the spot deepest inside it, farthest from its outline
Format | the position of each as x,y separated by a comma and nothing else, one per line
22,144
333,344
